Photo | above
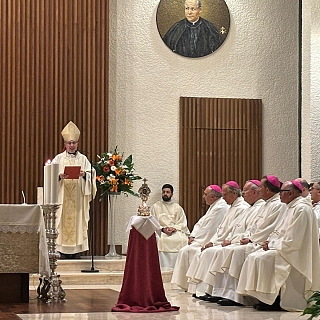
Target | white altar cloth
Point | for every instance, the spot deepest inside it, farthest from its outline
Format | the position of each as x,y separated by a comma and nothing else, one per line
26,219
146,225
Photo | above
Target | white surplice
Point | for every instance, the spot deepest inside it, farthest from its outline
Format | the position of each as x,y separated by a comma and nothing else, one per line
291,267
316,210
170,214
233,224
258,231
202,232
225,268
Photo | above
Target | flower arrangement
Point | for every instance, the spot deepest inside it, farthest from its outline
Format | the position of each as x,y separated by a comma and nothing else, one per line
113,175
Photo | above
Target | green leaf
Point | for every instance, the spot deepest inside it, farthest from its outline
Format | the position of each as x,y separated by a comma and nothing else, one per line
120,179
307,311
128,161
314,297
104,193
313,309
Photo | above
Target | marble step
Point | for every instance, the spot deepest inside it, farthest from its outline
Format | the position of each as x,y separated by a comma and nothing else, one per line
99,263
110,272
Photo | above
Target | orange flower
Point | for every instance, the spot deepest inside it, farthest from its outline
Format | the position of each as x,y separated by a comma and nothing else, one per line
114,188
100,178
115,178
114,181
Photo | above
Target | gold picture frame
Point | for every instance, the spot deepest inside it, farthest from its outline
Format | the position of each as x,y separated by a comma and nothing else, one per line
172,22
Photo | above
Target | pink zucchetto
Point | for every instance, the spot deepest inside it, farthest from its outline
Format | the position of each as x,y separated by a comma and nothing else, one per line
256,182
215,188
232,184
297,184
274,181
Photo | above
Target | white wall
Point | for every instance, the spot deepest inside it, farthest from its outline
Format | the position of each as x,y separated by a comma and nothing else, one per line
259,59
311,90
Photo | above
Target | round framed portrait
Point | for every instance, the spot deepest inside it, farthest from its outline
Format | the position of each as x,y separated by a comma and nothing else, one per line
193,28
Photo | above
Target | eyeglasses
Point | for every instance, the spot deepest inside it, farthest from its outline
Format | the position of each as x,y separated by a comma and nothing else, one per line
284,190
312,188
71,142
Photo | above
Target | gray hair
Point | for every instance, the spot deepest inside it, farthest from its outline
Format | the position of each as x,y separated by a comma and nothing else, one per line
293,188
233,190
317,184
304,183
254,186
215,193
199,3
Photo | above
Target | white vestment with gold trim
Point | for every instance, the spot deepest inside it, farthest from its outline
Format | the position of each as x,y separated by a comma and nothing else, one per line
74,195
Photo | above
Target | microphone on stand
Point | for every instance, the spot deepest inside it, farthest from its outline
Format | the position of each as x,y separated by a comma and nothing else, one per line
92,220
24,198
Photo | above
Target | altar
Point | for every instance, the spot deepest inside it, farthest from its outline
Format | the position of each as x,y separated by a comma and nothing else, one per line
23,250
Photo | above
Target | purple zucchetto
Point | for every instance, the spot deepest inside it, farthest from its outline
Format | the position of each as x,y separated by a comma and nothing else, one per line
215,188
297,184
232,184
256,182
274,181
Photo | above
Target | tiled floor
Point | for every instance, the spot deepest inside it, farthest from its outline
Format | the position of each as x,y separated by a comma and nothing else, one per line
190,309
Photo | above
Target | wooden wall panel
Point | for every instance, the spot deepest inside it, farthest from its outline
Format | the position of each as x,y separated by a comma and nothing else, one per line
53,69
220,140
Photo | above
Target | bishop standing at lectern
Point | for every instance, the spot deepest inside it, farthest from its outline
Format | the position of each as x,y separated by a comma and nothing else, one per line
74,195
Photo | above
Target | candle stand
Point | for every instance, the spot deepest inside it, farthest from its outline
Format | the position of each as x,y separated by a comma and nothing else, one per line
112,254
50,288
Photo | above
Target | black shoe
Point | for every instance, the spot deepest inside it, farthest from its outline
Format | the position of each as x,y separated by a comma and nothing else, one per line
73,256
207,297
63,256
229,303
213,299
203,298
267,307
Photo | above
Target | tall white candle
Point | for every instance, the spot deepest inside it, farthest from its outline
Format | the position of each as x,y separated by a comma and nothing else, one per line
47,183
40,195
54,182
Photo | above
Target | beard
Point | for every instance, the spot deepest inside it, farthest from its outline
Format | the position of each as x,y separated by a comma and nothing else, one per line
166,198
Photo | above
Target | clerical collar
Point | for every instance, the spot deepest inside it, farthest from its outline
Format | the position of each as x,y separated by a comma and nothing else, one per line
193,23
72,153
